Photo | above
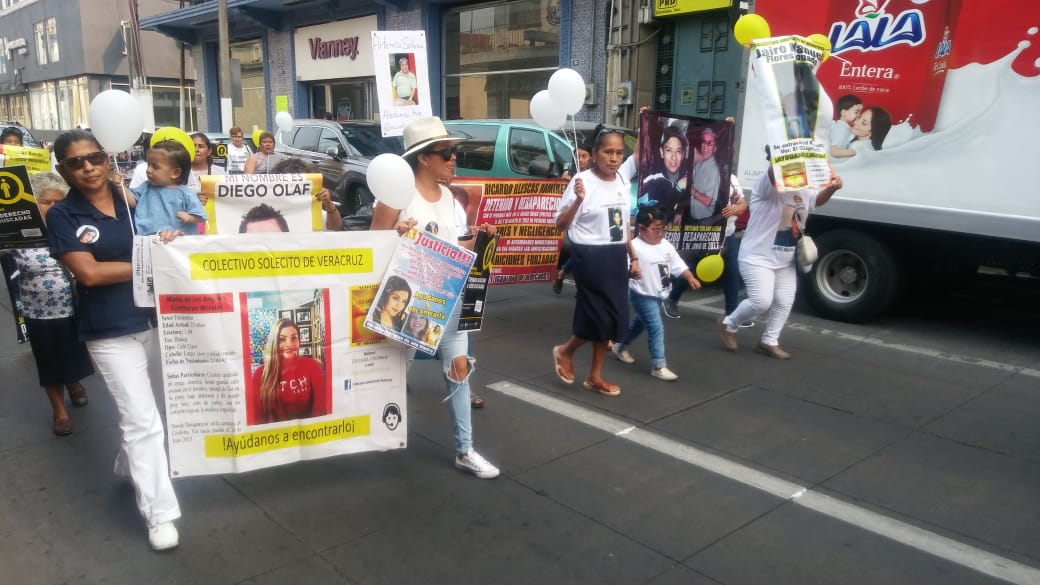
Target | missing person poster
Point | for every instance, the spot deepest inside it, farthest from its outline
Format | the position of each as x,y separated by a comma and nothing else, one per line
796,109
422,286
402,78
262,203
262,362
522,211
21,224
684,169
36,160
474,294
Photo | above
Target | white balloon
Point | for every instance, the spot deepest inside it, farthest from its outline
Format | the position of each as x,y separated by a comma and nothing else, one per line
116,120
391,180
545,112
567,89
284,121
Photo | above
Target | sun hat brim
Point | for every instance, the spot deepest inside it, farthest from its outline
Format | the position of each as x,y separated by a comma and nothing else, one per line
422,145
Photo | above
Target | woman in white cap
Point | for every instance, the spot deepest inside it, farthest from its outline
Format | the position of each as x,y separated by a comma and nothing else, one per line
430,151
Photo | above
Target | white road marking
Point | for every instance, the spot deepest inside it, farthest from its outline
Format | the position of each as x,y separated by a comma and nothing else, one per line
707,305
945,548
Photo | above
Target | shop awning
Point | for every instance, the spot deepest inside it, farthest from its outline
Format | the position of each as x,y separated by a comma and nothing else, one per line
188,24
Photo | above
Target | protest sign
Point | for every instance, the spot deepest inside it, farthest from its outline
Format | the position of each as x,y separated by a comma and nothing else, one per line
684,169
21,223
36,160
261,365
797,111
402,78
262,203
522,211
475,292
419,293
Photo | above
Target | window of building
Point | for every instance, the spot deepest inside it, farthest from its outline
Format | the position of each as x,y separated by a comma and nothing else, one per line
73,102
16,108
41,43
52,39
253,111
3,62
507,52
43,98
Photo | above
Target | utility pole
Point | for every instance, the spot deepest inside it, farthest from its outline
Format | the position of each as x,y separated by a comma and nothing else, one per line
224,67
180,88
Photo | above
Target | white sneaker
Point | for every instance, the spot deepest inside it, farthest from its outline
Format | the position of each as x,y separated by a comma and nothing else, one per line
163,536
664,374
622,354
472,462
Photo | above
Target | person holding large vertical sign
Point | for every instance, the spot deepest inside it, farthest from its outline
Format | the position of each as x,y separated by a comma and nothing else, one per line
91,231
588,210
430,151
767,258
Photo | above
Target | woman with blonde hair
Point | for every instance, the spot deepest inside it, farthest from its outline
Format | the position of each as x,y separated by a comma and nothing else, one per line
287,385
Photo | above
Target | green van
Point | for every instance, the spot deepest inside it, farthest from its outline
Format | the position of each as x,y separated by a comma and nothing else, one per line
518,148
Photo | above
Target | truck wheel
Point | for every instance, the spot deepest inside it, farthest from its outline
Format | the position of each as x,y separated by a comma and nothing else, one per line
854,279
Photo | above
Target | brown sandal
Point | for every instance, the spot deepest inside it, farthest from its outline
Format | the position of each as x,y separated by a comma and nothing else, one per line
566,375
62,426
603,387
77,394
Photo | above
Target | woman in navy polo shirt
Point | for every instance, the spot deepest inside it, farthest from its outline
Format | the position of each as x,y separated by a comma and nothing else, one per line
91,232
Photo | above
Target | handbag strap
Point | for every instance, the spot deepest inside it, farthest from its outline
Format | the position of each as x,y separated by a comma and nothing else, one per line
797,224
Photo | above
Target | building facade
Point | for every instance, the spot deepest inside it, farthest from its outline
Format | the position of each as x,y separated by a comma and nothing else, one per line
486,58
56,55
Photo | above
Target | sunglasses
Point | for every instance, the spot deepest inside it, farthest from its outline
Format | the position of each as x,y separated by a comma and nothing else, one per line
444,153
75,163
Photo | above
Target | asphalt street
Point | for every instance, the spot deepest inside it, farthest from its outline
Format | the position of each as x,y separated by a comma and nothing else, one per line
906,451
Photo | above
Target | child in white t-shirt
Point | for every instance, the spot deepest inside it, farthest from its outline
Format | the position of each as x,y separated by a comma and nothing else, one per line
659,261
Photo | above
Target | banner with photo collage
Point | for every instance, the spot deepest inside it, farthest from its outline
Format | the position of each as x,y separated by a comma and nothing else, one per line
265,359
422,286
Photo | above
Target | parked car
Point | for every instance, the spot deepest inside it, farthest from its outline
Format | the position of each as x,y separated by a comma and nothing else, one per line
27,136
520,148
342,150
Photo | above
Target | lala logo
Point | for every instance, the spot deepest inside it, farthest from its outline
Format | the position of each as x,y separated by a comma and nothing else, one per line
874,30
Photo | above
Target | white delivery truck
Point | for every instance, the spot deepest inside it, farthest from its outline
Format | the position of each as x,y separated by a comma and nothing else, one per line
944,173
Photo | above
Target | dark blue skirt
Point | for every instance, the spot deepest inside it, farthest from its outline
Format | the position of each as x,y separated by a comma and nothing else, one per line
601,275
61,358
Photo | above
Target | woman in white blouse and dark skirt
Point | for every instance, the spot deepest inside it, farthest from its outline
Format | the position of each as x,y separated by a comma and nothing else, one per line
602,263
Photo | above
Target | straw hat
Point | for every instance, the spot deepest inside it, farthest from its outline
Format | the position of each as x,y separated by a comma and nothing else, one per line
425,131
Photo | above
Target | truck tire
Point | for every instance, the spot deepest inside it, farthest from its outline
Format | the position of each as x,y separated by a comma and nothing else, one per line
855,277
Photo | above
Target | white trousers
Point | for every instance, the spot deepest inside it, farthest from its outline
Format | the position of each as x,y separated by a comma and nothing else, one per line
770,290
122,363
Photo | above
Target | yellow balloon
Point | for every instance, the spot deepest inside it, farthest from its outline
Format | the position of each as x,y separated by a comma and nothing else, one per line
176,135
750,27
709,269
823,42
256,136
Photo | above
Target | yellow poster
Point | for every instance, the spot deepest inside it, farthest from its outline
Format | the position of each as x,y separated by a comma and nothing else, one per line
35,160
674,7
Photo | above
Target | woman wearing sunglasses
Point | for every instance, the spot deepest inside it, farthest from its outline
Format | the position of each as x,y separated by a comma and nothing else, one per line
430,151
91,232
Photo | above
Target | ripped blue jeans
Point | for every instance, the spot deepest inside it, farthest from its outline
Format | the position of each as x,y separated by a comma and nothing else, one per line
455,343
